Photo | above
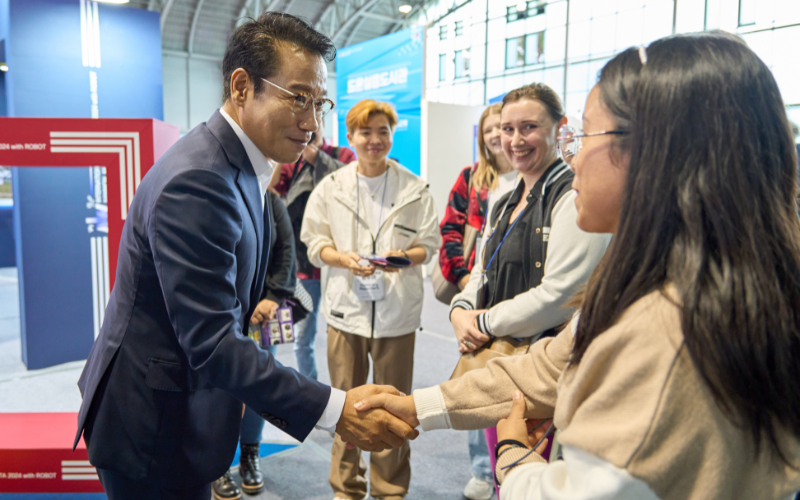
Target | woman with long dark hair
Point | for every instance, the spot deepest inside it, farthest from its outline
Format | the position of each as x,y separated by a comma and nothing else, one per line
679,379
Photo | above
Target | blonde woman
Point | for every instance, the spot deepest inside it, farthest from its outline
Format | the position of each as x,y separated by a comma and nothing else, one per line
475,192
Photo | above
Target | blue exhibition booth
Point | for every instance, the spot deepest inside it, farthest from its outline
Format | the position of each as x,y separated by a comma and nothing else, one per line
69,59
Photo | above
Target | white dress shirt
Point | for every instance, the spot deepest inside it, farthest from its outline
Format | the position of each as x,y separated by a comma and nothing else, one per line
263,168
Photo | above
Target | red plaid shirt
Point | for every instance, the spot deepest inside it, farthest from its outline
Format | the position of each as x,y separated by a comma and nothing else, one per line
462,208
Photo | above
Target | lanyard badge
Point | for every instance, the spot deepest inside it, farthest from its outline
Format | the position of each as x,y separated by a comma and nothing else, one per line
370,288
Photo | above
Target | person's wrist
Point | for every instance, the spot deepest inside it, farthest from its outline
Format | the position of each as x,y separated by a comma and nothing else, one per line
504,444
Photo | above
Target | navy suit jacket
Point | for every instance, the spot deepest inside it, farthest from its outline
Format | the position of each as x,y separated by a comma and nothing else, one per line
166,378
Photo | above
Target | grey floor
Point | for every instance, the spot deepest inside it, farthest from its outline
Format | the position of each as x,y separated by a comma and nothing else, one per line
439,460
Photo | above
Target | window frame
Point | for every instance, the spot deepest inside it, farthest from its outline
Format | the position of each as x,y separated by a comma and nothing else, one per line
534,8
739,19
443,32
442,67
512,11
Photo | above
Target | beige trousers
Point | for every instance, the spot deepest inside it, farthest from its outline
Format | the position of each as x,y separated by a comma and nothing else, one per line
393,364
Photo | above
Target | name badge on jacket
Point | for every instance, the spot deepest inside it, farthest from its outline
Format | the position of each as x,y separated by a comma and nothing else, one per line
370,288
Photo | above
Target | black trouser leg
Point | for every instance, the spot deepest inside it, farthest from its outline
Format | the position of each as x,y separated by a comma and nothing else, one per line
119,487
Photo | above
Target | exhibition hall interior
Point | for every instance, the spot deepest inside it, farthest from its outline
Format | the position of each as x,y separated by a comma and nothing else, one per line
107,106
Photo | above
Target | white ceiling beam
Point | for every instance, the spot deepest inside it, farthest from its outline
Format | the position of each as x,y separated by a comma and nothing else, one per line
193,29
387,19
164,13
353,18
355,30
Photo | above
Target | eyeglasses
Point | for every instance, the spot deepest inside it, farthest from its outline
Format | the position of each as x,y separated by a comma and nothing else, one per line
571,142
304,100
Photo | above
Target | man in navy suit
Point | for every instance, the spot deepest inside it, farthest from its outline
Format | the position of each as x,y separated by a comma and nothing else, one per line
165,381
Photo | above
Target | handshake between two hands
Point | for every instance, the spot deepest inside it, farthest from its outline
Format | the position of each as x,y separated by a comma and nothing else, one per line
379,417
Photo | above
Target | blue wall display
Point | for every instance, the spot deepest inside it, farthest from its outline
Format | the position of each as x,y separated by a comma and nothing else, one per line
388,69
75,59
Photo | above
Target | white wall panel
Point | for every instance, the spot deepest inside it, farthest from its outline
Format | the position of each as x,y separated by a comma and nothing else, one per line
448,146
175,103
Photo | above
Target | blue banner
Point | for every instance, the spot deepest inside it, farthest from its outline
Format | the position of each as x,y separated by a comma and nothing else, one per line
388,69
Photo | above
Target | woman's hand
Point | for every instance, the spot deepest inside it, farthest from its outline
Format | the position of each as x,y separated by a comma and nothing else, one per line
515,427
462,283
265,311
467,333
350,261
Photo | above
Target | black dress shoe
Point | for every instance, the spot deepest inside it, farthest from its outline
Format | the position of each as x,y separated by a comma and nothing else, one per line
225,488
250,469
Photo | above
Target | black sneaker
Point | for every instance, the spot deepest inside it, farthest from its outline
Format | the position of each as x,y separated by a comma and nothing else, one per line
225,488
250,469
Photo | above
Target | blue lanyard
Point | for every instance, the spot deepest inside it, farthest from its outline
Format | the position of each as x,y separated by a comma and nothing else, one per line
358,205
500,245
486,267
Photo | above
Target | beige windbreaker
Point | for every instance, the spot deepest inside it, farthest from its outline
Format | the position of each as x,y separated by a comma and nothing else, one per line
330,221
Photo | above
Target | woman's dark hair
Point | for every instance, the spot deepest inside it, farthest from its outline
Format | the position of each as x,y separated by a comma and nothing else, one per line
709,207
254,47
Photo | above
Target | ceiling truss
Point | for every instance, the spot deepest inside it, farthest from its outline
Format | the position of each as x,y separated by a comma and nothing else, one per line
345,21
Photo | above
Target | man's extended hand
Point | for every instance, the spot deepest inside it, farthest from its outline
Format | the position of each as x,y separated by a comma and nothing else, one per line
372,429
400,406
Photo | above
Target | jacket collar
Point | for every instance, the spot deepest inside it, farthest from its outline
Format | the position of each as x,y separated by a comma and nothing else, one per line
233,147
261,165
409,186
552,174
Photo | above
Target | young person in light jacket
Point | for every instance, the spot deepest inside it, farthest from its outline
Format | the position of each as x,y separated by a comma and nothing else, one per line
678,380
371,207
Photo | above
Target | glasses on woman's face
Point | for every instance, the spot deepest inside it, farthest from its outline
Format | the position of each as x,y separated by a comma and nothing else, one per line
303,101
570,140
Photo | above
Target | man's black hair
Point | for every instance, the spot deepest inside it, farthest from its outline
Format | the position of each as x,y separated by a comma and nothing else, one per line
254,47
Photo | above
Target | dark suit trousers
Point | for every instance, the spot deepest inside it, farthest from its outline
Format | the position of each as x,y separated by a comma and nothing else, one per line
119,487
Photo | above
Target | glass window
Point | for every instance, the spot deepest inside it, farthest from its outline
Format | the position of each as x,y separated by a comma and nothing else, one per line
442,68
747,12
515,52
459,28
534,8
515,13
443,32
534,48
462,63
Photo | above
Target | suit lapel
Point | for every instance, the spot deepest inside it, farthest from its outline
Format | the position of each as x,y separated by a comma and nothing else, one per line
248,184
262,263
